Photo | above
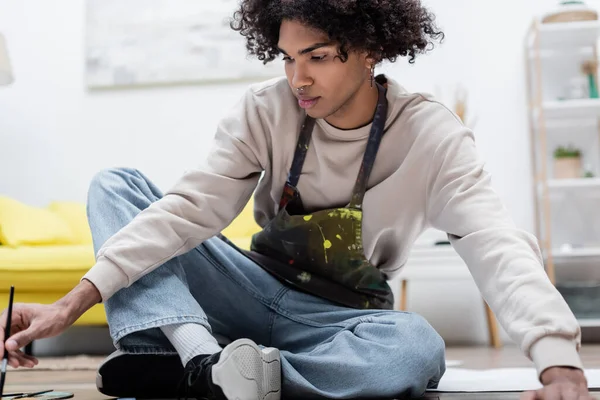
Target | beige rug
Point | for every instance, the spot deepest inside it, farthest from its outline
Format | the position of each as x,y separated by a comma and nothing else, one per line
91,363
74,363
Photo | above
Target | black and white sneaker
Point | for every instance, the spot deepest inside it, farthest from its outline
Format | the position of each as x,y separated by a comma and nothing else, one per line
241,371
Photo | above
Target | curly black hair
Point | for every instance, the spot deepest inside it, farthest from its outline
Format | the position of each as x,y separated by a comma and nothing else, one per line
386,29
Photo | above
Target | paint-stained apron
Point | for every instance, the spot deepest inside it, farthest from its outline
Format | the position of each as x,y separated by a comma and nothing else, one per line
322,252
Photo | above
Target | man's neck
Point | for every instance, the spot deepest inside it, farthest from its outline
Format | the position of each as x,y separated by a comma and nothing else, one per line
358,111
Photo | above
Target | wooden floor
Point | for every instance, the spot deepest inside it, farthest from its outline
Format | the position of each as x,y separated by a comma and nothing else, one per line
82,383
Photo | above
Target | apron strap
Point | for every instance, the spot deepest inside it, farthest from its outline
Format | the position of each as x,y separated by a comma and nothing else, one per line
375,136
377,128
301,150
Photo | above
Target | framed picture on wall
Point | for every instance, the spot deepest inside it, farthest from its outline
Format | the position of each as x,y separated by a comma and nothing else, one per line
166,42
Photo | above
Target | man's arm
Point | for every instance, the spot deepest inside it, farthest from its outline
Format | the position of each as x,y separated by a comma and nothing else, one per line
30,322
505,261
200,205
79,300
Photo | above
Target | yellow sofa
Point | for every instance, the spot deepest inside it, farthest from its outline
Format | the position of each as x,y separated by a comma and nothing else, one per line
44,252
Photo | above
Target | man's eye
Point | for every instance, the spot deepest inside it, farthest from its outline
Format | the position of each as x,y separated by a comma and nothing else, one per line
318,58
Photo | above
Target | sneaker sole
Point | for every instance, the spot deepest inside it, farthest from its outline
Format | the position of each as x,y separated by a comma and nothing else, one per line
143,376
245,372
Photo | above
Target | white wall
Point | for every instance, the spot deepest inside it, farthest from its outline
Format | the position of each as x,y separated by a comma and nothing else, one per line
54,135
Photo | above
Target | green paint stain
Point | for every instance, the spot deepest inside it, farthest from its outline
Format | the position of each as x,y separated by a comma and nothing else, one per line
308,217
346,213
338,236
304,277
327,244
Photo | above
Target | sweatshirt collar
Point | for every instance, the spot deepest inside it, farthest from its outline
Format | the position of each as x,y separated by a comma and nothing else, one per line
364,131
344,134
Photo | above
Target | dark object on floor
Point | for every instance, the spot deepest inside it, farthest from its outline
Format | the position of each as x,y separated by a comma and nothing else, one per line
143,376
582,297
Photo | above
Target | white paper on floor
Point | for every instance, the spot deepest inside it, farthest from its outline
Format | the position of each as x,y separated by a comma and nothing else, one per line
453,363
499,380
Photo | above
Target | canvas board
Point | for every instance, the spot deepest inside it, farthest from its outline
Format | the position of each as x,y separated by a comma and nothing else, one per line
499,380
166,42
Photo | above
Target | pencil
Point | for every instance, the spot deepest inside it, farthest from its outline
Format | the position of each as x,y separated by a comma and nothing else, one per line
6,336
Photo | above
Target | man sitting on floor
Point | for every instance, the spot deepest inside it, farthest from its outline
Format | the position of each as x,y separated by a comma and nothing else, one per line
347,169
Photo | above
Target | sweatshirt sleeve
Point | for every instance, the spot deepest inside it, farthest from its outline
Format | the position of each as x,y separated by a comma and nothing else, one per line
200,204
505,262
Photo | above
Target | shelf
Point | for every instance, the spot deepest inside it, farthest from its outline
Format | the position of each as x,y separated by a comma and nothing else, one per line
588,322
434,255
572,109
564,188
558,126
581,252
562,54
566,35
582,183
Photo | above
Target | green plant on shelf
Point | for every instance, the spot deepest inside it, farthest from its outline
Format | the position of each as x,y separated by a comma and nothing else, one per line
567,152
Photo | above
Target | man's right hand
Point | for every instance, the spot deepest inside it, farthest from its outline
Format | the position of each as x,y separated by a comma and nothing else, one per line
39,321
30,322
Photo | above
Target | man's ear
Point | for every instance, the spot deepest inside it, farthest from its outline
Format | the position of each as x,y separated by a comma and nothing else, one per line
371,60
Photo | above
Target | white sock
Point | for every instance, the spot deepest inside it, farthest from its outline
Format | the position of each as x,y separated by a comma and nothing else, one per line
191,340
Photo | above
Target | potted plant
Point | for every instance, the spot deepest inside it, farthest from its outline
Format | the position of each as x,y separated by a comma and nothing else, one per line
567,163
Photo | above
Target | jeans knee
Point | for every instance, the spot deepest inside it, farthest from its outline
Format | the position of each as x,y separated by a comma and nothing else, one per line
110,186
416,349
406,351
114,181
110,178
429,347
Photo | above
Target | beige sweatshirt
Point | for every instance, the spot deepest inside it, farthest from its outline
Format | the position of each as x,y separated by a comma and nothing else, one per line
427,174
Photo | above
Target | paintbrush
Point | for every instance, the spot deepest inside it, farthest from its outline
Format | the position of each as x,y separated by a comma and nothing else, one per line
6,336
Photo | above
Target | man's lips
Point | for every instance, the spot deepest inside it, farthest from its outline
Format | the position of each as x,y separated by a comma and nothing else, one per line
307,101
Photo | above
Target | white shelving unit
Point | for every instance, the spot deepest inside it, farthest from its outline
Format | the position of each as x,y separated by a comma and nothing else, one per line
572,109
593,252
589,322
555,53
570,184
553,38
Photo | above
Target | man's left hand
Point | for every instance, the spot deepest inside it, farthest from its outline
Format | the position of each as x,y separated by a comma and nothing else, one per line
561,383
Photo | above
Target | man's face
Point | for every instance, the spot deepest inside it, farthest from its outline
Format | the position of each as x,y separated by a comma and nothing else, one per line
311,62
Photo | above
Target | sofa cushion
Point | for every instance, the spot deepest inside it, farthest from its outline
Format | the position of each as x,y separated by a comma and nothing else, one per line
243,226
50,268
21,224
75,215
243,242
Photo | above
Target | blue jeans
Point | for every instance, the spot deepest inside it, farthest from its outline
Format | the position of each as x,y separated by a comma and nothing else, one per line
326,350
